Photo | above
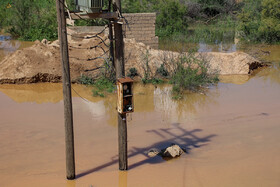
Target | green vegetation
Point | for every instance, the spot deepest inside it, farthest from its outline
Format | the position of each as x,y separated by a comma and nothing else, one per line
221,30
105,83
85,80
29,19
171,18
174,16
146,67
132,73
162,71
153,81
185,73
148,77
213,21
101,86
209,21
190,74
259,21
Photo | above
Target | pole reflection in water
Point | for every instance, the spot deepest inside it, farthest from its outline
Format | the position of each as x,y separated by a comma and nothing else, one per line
122,178
70,183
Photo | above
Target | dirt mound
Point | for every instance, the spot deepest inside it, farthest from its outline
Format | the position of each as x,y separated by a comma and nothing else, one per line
235,63
41,62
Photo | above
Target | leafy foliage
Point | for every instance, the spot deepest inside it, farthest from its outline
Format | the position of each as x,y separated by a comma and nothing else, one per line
190,74
171,18
85,80
31,20
132,72
162,71
101,86
170,14
259,21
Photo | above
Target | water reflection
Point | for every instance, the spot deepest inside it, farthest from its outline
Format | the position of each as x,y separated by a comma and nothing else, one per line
122,178
148,98
234,79
200,47
187,107
8,46
3,37
70,183
271,74
44,92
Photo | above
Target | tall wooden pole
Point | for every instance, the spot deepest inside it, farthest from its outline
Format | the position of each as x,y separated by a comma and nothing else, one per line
68,113
111,37
120,72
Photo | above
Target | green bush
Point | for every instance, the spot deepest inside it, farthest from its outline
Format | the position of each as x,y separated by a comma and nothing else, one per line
171,18
191,74
31,20
153,80
85,80
101,86
259,21
132,72
171,14
162,71
270,21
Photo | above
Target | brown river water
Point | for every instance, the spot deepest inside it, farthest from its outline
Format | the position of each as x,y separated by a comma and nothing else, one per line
231,133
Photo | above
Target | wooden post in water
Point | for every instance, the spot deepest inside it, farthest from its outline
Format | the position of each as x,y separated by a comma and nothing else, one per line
120,73
68,113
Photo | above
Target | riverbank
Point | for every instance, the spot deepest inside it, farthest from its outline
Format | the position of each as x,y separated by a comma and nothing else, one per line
41,62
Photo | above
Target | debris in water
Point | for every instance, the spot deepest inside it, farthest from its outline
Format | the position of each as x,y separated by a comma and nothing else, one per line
172,151
169,152
153,152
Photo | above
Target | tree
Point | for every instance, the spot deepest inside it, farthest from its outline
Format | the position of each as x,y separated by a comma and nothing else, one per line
31,19
259,21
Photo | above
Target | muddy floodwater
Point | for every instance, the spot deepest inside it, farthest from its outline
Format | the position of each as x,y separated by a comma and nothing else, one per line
231,134
8,46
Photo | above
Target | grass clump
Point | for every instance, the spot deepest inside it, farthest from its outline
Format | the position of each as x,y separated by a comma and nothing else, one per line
148,75
101,86
83,79
132,73
191,74
153,81
162,71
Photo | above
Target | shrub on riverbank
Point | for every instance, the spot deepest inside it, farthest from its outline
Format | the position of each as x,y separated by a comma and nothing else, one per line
191,74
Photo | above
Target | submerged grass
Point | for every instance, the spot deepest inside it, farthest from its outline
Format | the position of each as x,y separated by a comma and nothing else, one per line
221,30
101,86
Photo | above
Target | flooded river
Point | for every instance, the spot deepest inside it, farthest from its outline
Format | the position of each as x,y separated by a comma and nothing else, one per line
231,134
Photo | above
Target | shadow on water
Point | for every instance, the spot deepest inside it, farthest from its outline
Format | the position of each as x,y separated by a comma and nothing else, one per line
188,140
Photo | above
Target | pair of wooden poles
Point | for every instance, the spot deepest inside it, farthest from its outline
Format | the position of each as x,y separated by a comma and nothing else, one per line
68,112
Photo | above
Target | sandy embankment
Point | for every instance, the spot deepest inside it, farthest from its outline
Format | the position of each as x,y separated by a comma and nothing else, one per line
41,62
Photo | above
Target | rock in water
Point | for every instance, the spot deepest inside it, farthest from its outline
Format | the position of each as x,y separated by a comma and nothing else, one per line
172,151
153,152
